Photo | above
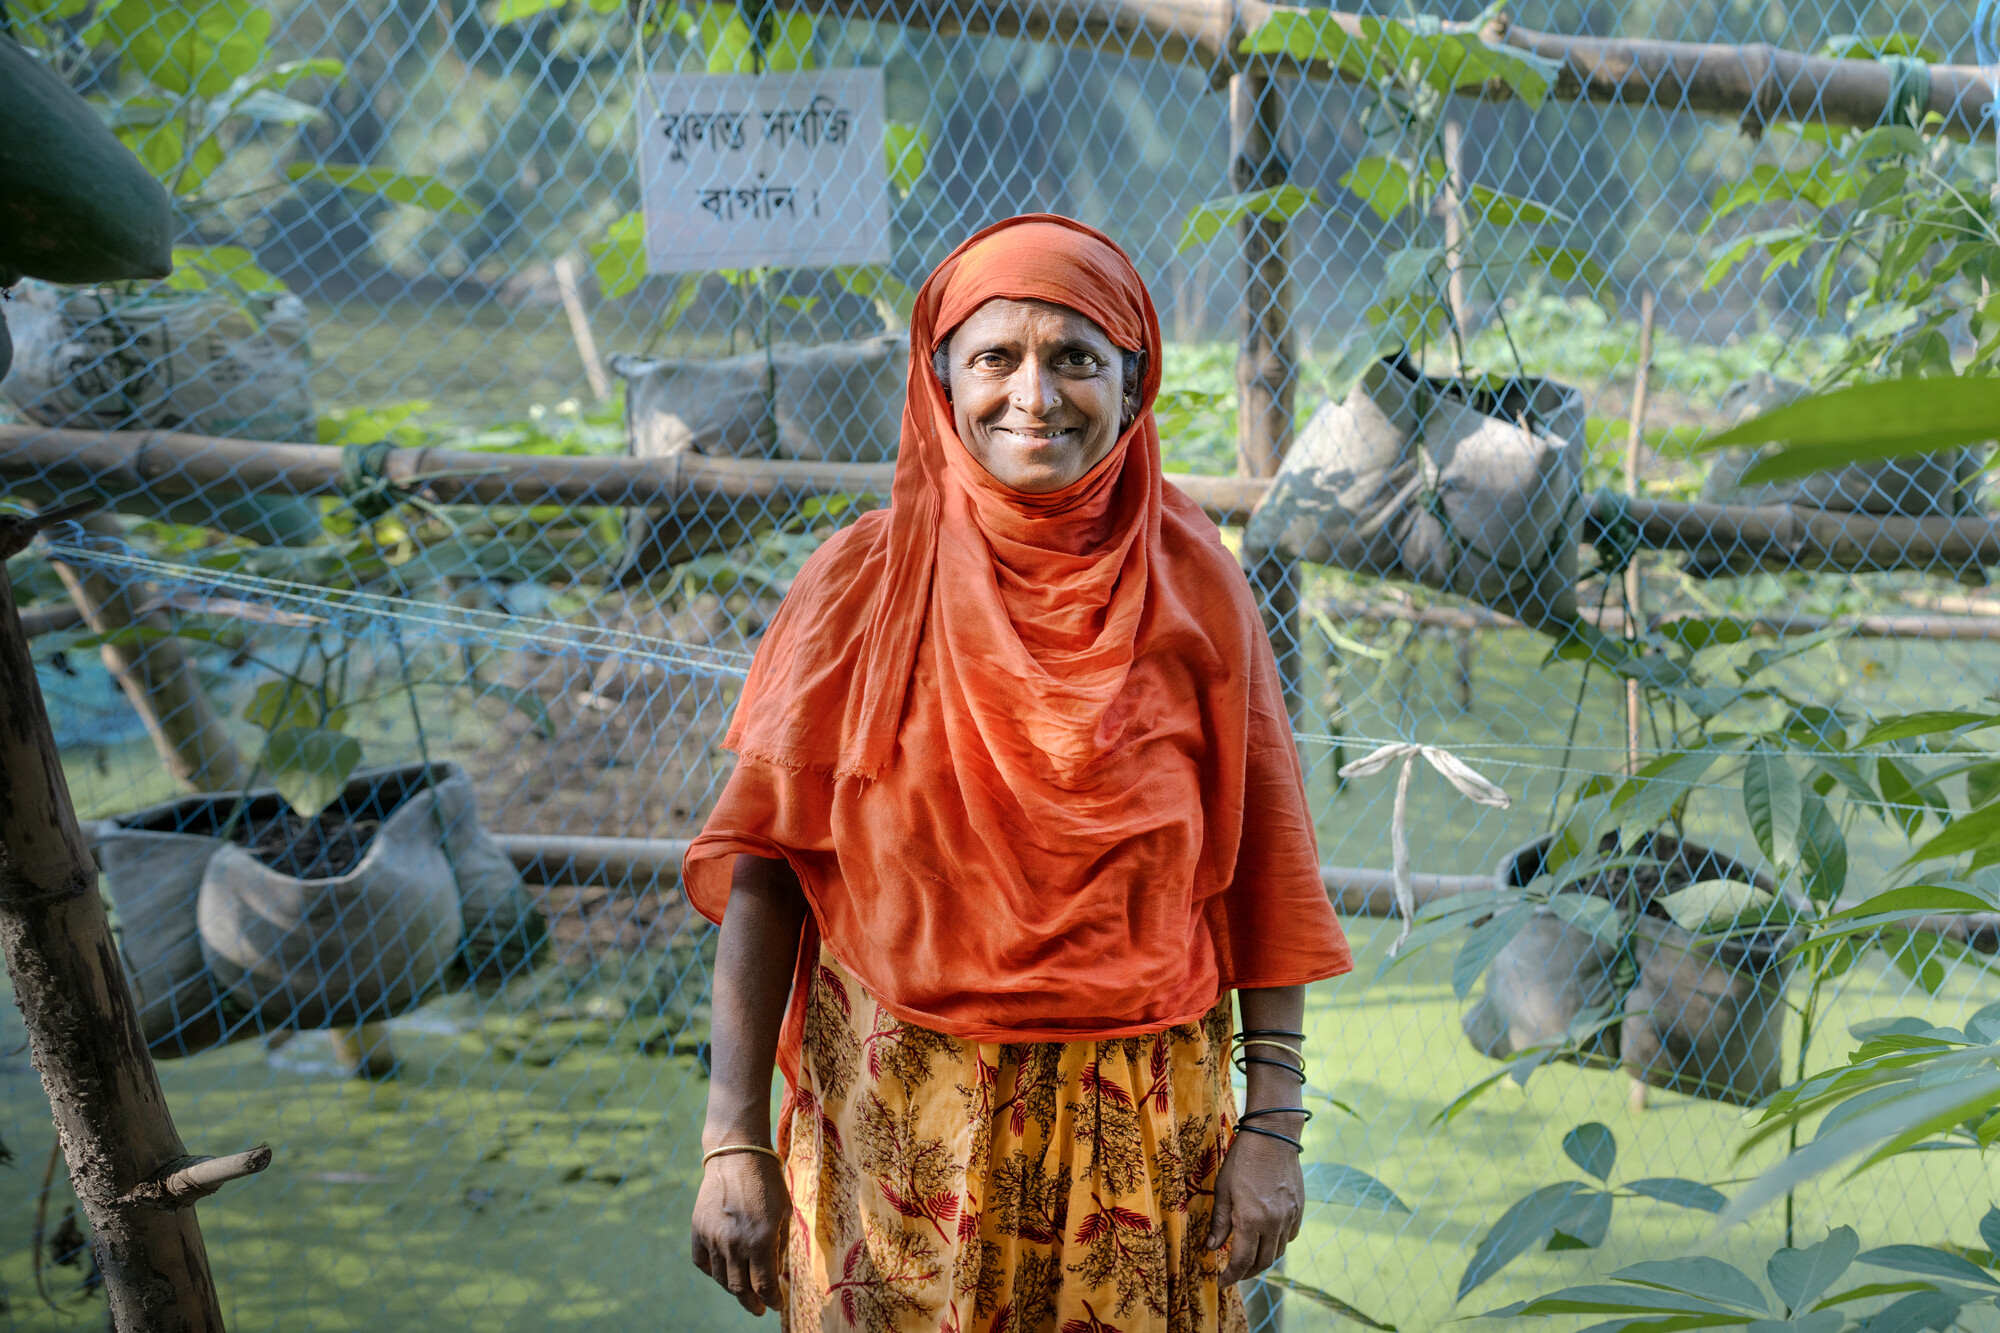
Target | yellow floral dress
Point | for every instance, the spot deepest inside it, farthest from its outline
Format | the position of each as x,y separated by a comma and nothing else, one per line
1059,1187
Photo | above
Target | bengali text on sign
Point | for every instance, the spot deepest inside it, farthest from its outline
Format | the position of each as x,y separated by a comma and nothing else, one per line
746,170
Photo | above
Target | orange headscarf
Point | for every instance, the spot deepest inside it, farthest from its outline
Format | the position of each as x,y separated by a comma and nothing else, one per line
1028,753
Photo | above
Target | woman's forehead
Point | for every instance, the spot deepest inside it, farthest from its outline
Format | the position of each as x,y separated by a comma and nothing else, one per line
1010,319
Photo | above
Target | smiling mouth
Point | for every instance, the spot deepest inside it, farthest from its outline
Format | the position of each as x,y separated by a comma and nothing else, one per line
1034,439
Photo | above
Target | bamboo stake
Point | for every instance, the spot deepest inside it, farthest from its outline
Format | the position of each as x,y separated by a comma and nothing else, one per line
155,674
1450,200
1635,579
579,328
131,1172
1475,619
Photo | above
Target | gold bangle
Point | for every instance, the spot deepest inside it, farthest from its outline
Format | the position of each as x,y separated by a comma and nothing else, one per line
771,1153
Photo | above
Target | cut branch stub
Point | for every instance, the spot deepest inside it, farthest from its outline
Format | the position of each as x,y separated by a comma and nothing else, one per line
182,1183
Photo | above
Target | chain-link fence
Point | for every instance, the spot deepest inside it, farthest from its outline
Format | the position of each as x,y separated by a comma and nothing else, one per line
436,523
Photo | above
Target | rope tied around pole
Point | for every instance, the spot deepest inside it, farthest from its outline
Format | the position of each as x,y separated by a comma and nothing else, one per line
1909,90
1470,784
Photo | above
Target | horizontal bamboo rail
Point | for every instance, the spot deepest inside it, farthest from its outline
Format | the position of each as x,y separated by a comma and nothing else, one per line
1789,537
45,467
1756,84
1474,619
644,863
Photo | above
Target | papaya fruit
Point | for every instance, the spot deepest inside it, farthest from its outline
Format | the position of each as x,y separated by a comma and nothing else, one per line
75,205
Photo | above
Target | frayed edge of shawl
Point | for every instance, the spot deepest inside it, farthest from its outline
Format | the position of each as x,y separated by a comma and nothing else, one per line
794,762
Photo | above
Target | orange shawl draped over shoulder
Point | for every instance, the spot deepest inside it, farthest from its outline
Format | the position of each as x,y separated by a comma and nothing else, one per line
1027,753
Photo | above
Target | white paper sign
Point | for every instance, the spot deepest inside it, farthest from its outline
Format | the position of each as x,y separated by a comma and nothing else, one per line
744,170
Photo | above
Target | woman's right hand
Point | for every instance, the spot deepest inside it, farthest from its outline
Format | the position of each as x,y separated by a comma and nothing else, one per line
740,1217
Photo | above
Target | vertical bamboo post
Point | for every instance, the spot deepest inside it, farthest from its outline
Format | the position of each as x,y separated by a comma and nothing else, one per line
1635,586
1635,580
155,675
1266,356
131,1172
1450,200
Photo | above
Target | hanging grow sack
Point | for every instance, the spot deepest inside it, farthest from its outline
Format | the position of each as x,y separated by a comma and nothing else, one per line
220,943
835,403
1701,1017
100,359
1469,487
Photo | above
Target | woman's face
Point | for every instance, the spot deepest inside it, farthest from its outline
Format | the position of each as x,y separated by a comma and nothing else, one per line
1035,392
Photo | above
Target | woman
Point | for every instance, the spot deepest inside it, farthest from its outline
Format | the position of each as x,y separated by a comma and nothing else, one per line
1016,809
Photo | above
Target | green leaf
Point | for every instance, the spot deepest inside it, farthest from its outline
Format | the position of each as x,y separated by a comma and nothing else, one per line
1822,850
1454,61
514,11
199,47
1349,1187
1928,1262
620,258
1525,1225
1982,784
1566,263
1589,913
1312,35
1593,1148
1743,247
1324,1298
197,268
278,705
790,44
1970,832
1860,46
1864,423
1906,725
1716,904
908,149
1206,220
1661,783
1699,632
1695,1276
1801,1276
310,766
1384,184
1483,945
1584,1225
1505,210
1913,900
1685,1194
1774,803
401,186
1899,792
727,42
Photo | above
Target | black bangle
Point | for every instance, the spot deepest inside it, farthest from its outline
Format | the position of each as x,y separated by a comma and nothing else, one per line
1271,1032
1271,1134
1244,1061
1277,1110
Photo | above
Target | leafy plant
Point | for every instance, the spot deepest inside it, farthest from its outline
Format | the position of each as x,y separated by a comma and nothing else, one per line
1709,1293
1576,1214
1893,226
204,79
1407,68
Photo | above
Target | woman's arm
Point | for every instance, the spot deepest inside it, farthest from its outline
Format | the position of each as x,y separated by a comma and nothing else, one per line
1261,1191
742,1209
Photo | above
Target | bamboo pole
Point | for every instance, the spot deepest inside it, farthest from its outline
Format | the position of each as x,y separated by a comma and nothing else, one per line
132,1174
1267,355
46,466
1474,619
155,674
1635,579
1755,85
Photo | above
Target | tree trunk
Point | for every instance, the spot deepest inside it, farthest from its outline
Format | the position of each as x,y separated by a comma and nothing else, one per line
128,1166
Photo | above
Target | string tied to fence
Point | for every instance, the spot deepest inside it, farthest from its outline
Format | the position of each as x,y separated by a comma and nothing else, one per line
1471,784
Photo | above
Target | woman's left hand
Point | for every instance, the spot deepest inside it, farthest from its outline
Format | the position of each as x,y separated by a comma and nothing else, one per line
1260,1198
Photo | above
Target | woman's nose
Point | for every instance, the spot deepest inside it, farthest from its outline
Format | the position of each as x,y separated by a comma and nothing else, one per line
1034,390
